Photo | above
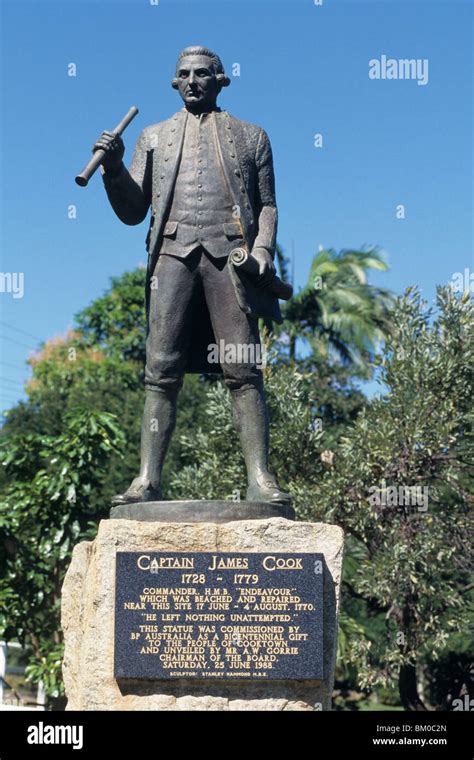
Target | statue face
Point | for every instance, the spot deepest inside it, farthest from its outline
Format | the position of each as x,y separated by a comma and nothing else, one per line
197,83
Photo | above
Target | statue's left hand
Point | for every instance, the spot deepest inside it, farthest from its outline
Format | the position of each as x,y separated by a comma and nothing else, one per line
266,265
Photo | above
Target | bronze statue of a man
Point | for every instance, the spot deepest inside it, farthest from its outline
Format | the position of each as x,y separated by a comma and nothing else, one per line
209,180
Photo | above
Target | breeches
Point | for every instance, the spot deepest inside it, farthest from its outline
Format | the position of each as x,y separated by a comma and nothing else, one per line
177,287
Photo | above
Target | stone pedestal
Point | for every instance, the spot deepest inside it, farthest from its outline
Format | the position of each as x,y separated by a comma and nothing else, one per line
88,616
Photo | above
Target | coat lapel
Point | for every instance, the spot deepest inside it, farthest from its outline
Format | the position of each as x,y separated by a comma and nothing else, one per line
165,168
171,154
231,165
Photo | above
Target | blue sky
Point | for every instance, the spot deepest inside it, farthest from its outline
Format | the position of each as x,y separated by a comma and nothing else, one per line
303,70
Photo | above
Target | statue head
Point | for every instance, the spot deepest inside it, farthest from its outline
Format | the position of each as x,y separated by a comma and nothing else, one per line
199,78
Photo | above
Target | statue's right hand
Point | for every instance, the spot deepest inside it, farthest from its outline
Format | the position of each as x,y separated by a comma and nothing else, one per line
114,150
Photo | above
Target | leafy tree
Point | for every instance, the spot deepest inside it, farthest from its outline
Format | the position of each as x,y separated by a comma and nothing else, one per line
41,518
115,322
338,313
412,558
68,375
100,366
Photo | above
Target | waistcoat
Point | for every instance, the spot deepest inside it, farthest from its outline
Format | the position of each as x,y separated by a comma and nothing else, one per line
201,211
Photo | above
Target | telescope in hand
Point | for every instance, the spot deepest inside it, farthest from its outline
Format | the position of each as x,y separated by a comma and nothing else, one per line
241,258
83,178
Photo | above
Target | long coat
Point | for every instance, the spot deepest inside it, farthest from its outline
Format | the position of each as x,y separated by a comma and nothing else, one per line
246,155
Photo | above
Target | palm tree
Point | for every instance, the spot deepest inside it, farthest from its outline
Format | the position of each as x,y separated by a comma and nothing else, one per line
338,313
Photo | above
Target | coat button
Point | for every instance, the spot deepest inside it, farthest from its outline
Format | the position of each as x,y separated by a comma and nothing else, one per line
236,171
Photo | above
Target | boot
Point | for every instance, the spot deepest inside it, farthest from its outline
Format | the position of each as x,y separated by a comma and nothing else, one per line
159,417
251,421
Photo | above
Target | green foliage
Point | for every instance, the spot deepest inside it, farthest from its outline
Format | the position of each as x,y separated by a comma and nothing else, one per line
47,669
42,516
116,321
338,313
412,565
